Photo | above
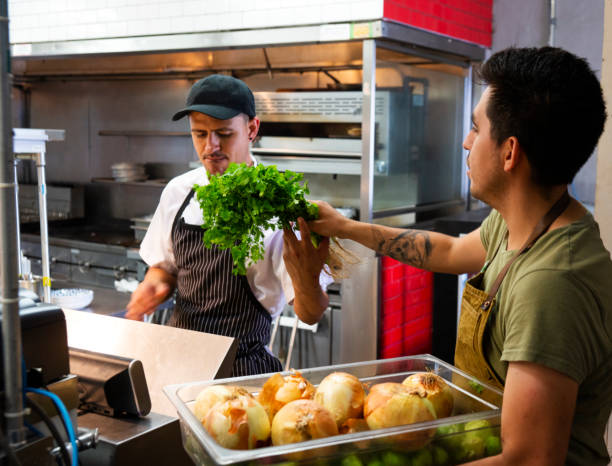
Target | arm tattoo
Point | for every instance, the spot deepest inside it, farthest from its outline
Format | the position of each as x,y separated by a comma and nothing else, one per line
411,247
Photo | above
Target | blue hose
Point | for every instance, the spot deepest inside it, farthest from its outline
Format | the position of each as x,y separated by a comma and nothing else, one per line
64,413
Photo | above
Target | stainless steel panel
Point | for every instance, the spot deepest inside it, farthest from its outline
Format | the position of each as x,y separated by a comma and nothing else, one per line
360,307
368,130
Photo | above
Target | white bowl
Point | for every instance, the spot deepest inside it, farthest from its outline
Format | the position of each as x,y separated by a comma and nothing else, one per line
72,298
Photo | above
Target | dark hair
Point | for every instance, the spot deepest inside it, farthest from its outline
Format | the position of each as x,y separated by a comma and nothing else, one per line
552,102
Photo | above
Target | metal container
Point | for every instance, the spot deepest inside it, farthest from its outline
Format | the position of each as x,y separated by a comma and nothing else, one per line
127,171
33,284
459,436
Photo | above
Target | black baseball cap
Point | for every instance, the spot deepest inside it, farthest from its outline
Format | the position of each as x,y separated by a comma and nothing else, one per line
219,96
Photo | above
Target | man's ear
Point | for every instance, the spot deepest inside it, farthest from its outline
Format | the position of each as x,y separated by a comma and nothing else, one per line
512,153
253,127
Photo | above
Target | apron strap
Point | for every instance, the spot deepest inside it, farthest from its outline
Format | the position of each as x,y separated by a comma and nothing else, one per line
543,225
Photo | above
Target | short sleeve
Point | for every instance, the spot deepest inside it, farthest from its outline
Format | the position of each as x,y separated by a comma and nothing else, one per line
549,322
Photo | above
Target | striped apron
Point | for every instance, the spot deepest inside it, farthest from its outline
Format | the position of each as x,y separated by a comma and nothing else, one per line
210,298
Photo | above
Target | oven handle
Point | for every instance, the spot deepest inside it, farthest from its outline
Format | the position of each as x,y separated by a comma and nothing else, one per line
307,153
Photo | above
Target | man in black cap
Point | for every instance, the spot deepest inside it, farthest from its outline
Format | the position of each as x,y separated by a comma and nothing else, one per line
221,111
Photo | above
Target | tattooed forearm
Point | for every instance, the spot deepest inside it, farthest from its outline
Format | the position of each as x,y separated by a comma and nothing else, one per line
410,247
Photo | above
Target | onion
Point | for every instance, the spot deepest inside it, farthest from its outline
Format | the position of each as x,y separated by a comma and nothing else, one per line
353,425
240,423
342,395
279,390
214,394
302,420
434,388
392,404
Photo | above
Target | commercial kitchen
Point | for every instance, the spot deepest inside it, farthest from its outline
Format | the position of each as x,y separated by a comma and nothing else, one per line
369,99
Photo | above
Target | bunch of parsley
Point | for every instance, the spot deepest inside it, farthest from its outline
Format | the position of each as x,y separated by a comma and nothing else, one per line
239,205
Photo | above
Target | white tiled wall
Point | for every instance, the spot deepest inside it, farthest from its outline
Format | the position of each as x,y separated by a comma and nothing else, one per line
59,20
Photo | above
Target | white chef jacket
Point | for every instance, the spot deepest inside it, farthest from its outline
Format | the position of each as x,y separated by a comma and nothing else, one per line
268,277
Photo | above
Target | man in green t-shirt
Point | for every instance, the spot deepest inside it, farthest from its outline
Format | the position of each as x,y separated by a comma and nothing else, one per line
537,319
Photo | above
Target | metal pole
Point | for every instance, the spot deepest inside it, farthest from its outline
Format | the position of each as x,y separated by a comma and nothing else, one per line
552,23
11,325
368,130
44,228
17,234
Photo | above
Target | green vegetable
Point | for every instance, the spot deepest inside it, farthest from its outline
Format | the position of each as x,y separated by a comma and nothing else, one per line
493,445
351,460
440,457
375,462
239,205
479,428
472,448
391,458
476,387
423,457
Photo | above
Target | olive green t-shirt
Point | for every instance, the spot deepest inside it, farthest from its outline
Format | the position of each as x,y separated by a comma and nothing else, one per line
554,308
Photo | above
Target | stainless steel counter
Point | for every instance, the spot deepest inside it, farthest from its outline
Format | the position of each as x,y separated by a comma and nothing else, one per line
106,301
152,440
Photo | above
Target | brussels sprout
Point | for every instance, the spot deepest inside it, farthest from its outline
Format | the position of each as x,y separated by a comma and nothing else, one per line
493,445
449,437
471,448
391,458
440,457
481,428
375,462
422,457
351,460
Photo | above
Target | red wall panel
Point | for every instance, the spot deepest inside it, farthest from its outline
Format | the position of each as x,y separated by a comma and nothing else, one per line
469,20
406,309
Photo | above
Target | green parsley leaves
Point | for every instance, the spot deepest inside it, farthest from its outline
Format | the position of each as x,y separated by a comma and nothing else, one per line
239,205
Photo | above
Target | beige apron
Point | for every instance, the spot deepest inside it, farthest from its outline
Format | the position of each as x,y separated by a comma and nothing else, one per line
476,306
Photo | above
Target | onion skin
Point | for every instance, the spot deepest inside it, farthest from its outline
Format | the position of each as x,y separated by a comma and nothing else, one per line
279,390
240,423
391,404
354,425
434,388
214,394
342,394
302,420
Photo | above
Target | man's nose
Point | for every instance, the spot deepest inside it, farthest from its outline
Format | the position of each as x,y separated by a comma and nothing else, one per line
212,143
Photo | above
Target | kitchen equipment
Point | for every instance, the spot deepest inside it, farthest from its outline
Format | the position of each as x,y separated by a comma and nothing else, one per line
72,298
63,202
140,225
128,171
110,385
33,284
44,341
473,401
320,131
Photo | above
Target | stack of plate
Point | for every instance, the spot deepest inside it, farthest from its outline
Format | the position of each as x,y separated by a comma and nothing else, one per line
72,298
126,171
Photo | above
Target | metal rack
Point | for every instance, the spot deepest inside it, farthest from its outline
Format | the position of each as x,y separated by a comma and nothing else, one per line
30,144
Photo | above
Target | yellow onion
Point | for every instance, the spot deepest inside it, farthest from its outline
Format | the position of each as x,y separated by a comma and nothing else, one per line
434,388
392,404
214,394
280,390
302,420
240,423
342,395
353,425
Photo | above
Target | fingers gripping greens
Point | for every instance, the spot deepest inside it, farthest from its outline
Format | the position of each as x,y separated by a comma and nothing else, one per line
241,204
